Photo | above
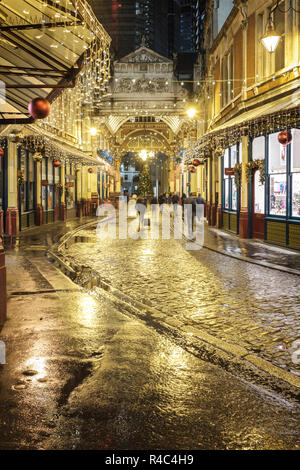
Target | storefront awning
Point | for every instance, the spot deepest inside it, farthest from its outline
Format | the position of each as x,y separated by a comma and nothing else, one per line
43,44
282,104
288,105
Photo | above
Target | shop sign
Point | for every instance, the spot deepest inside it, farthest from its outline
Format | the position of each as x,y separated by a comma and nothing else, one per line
229,171
44,182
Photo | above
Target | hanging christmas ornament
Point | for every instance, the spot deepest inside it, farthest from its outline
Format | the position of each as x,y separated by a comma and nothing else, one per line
196,162
56,163
285,138
193,170
90,170
1,152
39,108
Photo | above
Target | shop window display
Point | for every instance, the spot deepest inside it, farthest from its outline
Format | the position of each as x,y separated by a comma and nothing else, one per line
230,192
278,179
295,169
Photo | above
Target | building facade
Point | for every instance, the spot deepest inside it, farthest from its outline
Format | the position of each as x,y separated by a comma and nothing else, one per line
249,129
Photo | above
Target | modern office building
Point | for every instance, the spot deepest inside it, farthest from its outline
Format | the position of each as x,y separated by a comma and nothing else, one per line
129,21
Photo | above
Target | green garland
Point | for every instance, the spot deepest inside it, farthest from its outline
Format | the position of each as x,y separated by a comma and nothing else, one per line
238,174
253,166
21,179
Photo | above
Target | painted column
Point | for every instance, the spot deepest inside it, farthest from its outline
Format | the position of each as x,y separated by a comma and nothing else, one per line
193,182
39,207
63,210
219,190
214,179
209,190
12,214
118,177
79,205
3,298
244,214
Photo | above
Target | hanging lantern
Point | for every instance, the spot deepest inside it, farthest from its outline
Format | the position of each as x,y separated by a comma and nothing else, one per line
1,152
285,138
56,163
90,170
196,162
39,108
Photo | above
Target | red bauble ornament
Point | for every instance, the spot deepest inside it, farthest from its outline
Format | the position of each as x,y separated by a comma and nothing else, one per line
90,170
56,163
1,152
285,138
39,108
196,162
193,170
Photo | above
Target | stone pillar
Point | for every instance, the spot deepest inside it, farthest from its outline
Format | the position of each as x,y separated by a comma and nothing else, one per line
12,214
63,209
3,296
244,214
39,207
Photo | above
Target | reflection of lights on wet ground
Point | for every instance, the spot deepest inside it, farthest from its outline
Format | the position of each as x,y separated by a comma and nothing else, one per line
175,358
88,312
37,364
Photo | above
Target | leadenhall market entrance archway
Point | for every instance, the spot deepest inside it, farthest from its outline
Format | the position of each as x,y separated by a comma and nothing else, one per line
144,109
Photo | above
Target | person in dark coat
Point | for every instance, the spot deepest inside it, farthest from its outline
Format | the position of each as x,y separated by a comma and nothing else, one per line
141,207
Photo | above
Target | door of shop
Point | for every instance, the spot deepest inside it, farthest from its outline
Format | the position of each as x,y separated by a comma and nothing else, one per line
258,208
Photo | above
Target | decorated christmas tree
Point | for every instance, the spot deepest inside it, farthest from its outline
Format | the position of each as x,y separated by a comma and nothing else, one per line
145,187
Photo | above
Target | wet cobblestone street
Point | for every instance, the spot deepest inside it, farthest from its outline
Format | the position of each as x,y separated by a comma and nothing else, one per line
244,304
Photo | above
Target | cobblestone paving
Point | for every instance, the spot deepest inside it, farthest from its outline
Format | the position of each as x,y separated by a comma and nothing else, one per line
253,306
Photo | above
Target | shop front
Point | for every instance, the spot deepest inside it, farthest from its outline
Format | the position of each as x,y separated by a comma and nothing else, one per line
230,192
282,188
26,188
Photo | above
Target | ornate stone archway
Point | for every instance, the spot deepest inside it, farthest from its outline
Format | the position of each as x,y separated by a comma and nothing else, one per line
145,107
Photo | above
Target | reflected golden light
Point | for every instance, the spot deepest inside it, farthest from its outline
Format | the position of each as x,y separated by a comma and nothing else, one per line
191,112
38,364
89,308
143,155
93,131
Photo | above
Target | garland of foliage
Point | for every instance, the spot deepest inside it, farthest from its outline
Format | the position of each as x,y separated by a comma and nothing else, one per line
253,166
238,174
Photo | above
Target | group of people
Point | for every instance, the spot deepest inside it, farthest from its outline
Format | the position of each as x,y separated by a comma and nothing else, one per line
172,201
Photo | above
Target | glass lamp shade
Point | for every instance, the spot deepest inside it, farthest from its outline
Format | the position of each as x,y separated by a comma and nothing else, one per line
271,39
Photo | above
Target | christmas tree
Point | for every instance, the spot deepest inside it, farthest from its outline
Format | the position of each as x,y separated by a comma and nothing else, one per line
145,187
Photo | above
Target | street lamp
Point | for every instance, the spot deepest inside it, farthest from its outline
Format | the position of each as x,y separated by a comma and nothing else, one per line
271,39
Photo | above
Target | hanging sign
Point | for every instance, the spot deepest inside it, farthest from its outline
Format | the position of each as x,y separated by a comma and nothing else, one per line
44,182
229,171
